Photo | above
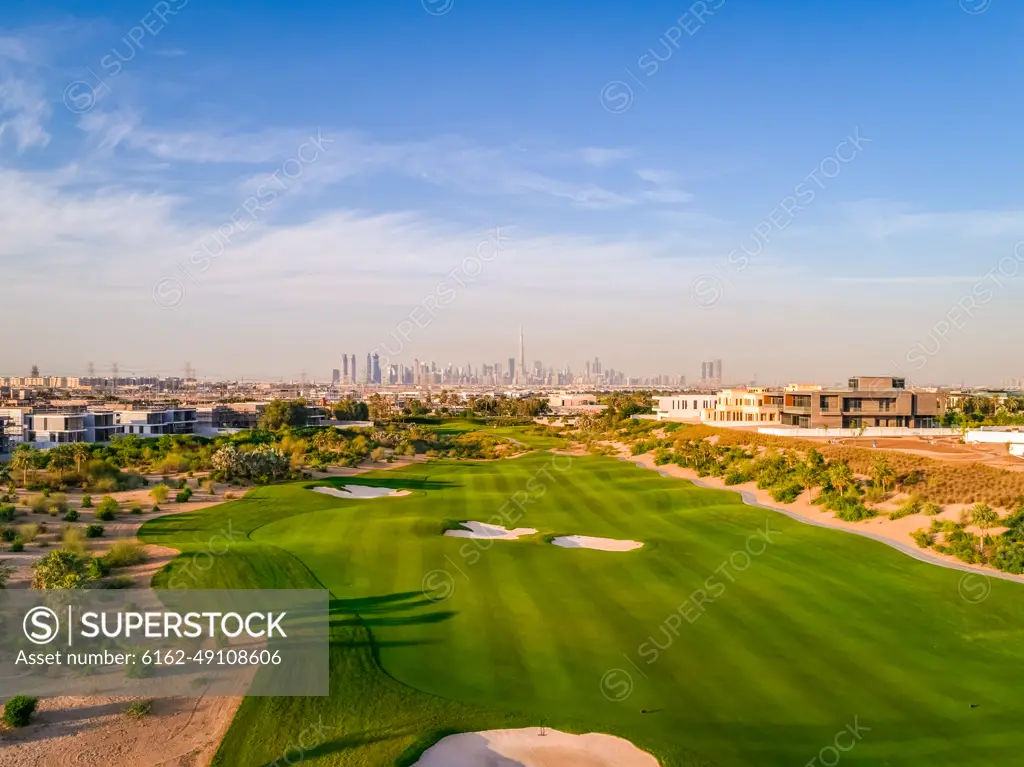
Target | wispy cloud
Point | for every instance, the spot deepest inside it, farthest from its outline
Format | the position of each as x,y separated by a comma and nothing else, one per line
23,112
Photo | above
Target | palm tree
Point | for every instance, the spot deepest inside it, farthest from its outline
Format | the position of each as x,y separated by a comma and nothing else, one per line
61,459
840,476
984,518
22,460
882,474
81,452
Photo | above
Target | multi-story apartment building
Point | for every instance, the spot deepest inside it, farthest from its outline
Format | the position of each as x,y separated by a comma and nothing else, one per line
689,406
155,422
867,401
753,405
245,415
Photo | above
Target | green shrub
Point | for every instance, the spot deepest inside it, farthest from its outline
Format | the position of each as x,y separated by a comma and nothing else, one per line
71,515
786,491
125,554
931,509
120,582
29,533
105,515
94,531
183,496
923,538
39,504
18,710
97,568
853,510
139,710
17,545
86,501
7,512
910,506
136,508
8,534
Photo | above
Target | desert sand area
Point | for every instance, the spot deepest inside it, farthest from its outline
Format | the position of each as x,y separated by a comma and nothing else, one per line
949,449
96,732
895,533
534,747
597,544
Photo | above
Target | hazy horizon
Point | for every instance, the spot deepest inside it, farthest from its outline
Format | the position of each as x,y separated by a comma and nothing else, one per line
795,189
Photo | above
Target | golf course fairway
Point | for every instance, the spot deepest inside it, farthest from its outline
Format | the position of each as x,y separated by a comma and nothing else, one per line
735,636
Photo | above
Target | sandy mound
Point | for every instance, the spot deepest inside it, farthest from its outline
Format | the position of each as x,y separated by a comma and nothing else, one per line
528,748
600,544
491,532
359,492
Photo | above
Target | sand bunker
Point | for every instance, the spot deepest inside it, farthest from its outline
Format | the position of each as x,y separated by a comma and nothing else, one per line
600,544
528,748
358,492
491,532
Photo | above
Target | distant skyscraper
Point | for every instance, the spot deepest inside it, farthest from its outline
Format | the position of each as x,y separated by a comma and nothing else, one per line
522,357
344,368
352,364
511,369
703,372
368,372
416,374
335,377
376,368
718,372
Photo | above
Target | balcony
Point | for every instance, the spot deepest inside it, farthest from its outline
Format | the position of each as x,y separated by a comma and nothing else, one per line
796,409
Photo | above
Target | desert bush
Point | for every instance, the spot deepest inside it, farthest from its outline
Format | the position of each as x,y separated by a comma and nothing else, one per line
94,531
875,494
786,491
19,709
923,538
58,504
8,534
39,504
735,477
72,540
28,533
910,506
107,509
7,512
931,509
17,545
139,710
183,496
159,493
86,501
60,569
125,554
97,568
136,508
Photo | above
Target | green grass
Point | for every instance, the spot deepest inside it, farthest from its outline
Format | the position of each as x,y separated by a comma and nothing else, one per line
820,629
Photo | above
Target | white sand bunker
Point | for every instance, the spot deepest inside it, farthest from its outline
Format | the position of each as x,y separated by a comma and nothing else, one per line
355,492
491,532
600,544
528,748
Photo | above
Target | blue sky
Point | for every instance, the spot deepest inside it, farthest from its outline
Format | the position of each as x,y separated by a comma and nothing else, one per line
804,189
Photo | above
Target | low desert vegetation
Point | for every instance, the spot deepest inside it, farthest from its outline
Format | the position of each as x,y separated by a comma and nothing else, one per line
18,710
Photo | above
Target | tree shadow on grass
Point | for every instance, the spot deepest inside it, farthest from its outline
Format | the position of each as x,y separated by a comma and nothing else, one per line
365,738
400,609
